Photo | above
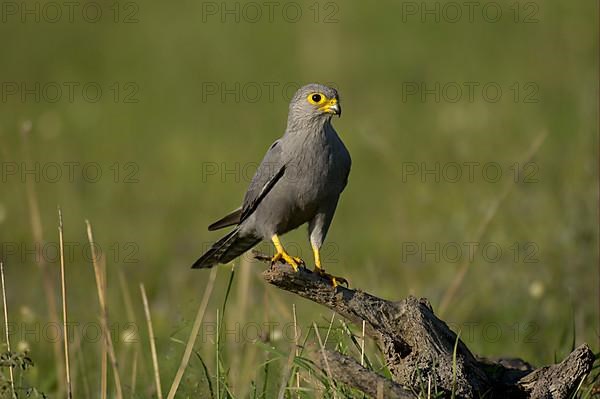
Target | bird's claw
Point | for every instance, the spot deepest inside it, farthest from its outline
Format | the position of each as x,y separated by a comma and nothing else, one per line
293,261
334,280
298,260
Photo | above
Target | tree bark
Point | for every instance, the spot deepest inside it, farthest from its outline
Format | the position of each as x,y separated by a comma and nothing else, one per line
419,348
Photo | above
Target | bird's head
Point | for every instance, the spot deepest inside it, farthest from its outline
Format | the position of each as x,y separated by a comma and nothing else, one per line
314,103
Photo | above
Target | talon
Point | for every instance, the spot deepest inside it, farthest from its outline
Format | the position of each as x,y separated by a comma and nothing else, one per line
290,261
343,281
281,254
334,280
276,258
299,261
283,257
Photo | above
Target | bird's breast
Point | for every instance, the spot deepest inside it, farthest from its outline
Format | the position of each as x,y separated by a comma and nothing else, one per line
316,169
319,169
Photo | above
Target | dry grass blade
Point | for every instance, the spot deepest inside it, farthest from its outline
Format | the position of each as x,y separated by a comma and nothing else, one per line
10,370
492,211
64,302
48,281
285,375
362,345
103,369
296,340
329,327
429,387
152,343
294,352
134,372
103,344
240,381
101,288
322,346
127,299
82,367
126,296
194,334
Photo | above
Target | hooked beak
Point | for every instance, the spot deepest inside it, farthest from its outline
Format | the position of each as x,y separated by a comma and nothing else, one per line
332,107
336,109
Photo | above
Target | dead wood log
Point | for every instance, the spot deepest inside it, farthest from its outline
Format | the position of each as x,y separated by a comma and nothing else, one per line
348,371
419,347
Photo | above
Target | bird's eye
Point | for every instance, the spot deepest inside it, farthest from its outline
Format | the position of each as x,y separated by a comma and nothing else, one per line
316,98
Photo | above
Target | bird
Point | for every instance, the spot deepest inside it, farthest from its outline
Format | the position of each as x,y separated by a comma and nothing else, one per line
299,181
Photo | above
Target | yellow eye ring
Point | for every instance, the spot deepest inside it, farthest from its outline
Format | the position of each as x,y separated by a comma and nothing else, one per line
316,98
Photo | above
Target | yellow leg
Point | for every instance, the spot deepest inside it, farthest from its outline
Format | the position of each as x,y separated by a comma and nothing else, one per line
281,254
317,255
319,269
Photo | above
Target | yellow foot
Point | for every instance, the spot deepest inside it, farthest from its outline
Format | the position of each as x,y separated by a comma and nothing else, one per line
335,280
290,260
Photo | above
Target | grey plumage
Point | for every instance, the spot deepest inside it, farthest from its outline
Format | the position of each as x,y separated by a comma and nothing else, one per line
298,181
227,220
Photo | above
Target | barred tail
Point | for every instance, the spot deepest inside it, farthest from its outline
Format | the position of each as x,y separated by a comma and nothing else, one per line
225,250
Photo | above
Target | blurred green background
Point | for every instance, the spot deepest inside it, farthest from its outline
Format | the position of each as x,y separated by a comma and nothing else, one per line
186,111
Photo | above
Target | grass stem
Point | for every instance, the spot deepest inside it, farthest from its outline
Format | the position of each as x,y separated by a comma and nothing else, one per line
63,285
152,343
10,369
193,334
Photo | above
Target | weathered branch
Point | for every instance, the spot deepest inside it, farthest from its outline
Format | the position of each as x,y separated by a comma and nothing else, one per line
419,347
346,370
559,380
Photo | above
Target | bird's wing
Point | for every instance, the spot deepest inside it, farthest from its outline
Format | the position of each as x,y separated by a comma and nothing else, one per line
227,220
269,172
